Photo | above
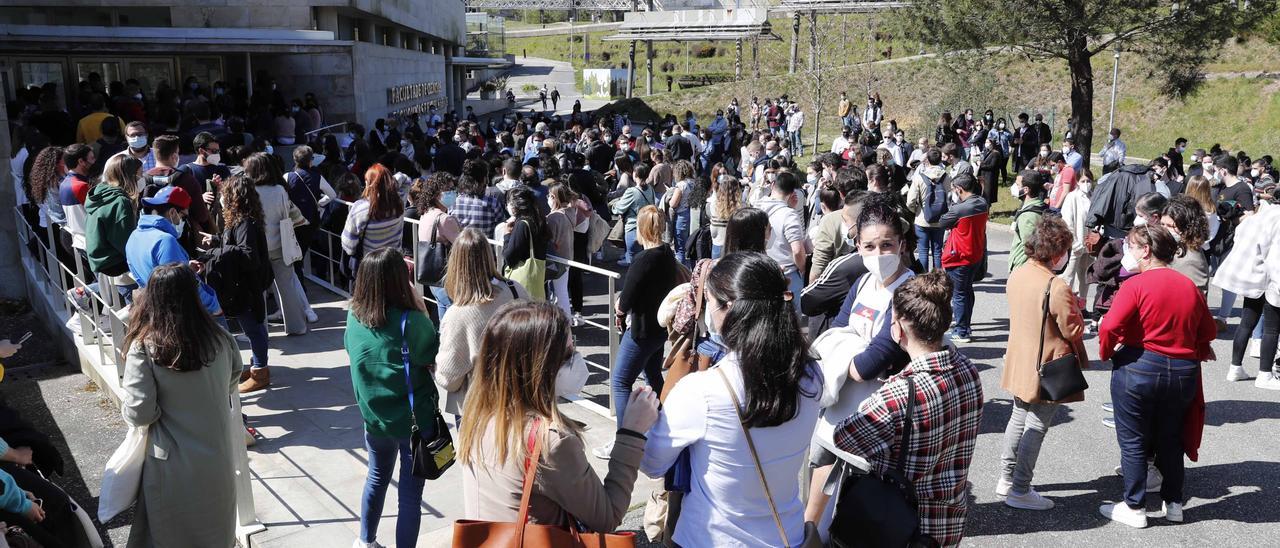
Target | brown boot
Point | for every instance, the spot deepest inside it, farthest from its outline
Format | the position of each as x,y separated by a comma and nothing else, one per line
258,379
244,374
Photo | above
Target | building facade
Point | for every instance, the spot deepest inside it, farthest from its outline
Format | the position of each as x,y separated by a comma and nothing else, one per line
362,59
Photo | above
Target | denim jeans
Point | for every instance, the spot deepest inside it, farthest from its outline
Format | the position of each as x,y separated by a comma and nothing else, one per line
962,297
1228,305
632,246
797,144
1151,394
681,236
256,331
633,357
1022,439
382,461
442,300
929,245
795,284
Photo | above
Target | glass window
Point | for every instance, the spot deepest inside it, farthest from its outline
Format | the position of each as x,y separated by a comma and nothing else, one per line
110,71
206,69
151,73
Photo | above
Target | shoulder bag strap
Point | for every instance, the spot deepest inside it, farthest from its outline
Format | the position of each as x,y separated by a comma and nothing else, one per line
1044,321
529,236
530,473
404,358
512,287
755,457
907,425
435,227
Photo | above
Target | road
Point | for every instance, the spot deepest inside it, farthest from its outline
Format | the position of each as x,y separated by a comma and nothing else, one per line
560,75
312,459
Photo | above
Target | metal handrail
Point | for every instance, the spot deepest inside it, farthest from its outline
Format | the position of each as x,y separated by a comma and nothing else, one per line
611,278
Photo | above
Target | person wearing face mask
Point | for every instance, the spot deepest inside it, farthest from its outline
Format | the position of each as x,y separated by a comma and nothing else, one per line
135,135
1073,157
948,398
1113,153
965,251
207,169
759,404
1201,164
1075,208
1029,187
1156,334
1176,168
496,442
1186,221
1003,138
863,319
1027,142
788,245
1037,337
155,241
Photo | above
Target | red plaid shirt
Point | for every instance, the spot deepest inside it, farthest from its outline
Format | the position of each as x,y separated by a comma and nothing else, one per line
946,416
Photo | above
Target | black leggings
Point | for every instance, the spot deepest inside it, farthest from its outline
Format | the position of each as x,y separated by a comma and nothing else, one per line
1270,315
60,527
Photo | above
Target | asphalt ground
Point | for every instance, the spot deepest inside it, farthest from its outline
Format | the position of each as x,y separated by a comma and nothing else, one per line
1231,492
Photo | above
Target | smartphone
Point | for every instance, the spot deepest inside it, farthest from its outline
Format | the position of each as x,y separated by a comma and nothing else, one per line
25,337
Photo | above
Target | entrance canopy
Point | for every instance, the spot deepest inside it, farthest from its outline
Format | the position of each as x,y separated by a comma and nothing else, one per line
695,25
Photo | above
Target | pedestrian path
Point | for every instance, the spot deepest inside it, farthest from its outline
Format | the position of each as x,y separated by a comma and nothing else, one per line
308,470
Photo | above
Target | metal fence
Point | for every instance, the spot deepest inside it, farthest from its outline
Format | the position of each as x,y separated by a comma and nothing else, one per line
328,255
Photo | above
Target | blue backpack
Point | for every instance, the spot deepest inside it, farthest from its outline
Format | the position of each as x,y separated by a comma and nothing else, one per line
935,199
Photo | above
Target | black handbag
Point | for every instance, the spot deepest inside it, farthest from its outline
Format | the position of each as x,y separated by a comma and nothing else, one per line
432,257
433,454
1060,378
879,510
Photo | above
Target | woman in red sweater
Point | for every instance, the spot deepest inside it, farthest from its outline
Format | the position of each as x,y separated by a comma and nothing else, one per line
1156,334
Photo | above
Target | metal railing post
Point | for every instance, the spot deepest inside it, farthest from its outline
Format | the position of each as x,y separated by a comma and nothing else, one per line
613,337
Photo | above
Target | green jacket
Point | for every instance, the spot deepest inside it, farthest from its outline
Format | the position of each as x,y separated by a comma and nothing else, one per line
377,372
109,221
1024,223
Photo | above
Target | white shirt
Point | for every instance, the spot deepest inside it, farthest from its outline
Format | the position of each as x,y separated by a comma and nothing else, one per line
795,121
839,145
15,169
727,506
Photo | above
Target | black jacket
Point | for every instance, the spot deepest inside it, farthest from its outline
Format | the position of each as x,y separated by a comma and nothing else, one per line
651,276
678,147
1113,201
239,270
821,300
449,158
599,156
1175,162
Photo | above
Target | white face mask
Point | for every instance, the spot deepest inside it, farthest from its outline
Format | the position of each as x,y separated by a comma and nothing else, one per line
572,376
1139,221
214,158
1044,154
1129,261
1177,238
317,159
180,225
1255,173
138,142
1066,150
881,266
1016,190
1061,264
1086,186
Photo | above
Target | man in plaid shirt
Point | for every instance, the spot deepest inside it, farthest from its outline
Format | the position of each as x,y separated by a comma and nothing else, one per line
478,206
948,409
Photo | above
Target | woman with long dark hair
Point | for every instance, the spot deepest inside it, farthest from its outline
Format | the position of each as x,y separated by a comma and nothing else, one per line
181,369
526,239
47,171
777,385
240,271
435,221
294,310
387,315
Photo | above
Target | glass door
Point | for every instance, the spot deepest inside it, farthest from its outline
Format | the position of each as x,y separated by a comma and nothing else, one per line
150,73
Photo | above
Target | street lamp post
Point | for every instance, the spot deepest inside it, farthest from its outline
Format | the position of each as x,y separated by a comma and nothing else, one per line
1115,79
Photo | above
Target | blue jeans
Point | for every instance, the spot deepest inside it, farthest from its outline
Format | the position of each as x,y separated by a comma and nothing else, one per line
256,331
1151,394
632,246
633,356
961,297
681,236
797,144
929,245
382,460
442,300
795,284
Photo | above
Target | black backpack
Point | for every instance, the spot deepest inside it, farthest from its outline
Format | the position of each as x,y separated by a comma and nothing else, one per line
699,244
935,199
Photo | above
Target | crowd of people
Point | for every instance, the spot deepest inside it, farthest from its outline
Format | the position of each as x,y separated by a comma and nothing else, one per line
815,310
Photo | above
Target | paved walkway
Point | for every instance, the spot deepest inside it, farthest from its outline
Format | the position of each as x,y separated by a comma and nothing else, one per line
555,75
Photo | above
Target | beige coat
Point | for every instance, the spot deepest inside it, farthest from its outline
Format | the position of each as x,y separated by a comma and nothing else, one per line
1063,334
566,484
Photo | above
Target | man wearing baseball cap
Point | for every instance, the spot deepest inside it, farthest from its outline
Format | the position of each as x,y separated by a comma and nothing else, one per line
155,241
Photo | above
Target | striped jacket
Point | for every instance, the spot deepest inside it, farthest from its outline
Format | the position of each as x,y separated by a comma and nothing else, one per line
375,235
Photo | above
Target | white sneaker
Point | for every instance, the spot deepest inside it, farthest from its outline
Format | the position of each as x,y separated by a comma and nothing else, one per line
1121,513
311,316
577,319
1031,500
1170,511
604,451
362,544
1237,373
1002,487
1267,381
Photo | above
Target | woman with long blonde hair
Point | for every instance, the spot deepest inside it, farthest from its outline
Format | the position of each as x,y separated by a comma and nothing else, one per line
513,414
725,198
477,290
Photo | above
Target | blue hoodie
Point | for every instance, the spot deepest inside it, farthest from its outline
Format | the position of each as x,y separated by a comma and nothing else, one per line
155,243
